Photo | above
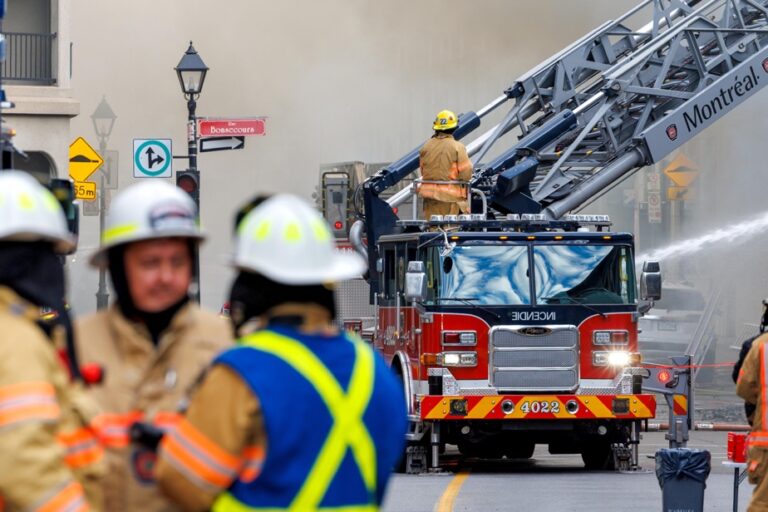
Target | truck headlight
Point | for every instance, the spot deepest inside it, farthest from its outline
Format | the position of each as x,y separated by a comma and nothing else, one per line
457,359
617,358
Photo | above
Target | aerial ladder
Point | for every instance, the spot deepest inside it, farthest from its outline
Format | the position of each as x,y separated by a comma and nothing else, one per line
613,102
623,97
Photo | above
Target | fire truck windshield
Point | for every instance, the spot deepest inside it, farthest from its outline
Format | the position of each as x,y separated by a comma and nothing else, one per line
494,274
584,274
499,274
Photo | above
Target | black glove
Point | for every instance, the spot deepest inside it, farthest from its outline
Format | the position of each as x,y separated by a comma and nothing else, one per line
146,435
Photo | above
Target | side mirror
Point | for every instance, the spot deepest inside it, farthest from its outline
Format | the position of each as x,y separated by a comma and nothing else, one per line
415,282
650,281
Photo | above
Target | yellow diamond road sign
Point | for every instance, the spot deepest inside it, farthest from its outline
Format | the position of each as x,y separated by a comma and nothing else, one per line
83,160
682,171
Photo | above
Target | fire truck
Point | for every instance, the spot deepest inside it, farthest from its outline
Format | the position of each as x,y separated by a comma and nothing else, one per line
516,324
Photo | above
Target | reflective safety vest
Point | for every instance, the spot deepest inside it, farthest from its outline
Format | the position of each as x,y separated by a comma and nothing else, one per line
334,418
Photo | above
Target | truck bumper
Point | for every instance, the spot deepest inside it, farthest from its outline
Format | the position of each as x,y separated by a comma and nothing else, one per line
537,407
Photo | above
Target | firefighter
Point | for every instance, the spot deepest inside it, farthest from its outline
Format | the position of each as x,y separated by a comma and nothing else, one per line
749,408
296,395
753,388
153,342
443,158
49,458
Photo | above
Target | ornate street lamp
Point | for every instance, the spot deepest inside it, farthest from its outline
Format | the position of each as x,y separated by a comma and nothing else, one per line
103,121
191,72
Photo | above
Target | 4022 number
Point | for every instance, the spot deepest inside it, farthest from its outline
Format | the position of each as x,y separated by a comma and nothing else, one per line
540,406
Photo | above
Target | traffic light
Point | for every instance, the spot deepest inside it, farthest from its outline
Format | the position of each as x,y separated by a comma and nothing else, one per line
335,190
189,182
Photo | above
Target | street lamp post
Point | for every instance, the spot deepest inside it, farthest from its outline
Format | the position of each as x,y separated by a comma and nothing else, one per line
103,121
191,72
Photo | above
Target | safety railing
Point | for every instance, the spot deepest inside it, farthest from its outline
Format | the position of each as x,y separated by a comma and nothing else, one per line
28,58
414,189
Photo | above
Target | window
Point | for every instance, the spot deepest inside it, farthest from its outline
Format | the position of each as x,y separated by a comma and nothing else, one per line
584,274
483,274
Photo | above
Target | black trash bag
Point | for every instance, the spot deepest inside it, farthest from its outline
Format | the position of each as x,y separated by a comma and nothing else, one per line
675,463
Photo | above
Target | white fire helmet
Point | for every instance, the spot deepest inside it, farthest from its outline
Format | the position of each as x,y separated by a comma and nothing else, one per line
148,211
29,212
288,241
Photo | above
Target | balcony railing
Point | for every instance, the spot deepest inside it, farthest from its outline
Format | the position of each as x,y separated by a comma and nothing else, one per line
28,58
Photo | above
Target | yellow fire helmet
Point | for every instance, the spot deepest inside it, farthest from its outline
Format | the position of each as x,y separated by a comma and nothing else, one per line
445,120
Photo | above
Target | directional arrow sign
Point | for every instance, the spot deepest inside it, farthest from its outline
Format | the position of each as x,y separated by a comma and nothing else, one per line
152,158
83,160
221,143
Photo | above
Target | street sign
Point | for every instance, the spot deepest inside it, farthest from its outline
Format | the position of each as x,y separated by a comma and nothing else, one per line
91,208
83,160
223,127
682,171
221,144
85,190
152,158
110,169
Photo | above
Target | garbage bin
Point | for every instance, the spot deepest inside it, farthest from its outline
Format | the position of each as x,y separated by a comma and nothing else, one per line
682,473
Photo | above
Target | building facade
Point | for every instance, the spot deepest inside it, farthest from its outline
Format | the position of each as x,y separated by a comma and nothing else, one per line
36,77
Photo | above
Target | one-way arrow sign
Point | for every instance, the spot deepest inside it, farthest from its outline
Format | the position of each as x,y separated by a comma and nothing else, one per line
221,143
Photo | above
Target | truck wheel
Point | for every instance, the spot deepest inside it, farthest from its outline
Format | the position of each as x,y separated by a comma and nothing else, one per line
598,456
520,450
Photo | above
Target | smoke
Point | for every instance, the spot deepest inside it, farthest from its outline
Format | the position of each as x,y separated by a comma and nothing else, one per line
338,80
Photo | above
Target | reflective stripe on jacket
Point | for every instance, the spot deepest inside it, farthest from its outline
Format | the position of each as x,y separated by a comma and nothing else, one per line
49,459
321,398
752,386
143,383
443,158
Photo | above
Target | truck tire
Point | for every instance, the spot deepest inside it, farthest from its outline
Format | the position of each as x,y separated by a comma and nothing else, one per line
598,456
522,450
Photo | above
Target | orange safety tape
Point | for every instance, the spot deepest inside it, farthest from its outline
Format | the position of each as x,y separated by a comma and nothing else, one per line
82,448
253,459
196,454
70,498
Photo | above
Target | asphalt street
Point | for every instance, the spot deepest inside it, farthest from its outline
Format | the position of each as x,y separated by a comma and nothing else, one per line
558,482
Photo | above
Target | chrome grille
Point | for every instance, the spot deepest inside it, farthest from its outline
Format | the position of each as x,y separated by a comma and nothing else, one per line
546,361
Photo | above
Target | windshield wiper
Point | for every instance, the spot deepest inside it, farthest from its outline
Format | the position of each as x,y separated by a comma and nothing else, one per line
574,301
468,301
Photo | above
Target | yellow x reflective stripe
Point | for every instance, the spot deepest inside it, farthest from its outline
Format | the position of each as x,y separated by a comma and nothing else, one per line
346,409
228,503
117,232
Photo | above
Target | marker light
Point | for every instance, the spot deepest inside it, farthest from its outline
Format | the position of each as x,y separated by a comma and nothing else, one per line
338,224
460,338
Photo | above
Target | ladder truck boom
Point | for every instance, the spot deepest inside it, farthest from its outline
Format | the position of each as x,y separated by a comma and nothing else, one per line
570,79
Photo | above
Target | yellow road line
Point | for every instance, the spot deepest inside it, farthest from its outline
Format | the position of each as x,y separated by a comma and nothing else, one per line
449,496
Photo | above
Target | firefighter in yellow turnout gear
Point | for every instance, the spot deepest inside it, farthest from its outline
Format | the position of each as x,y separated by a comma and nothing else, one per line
153,342
298,416
49,458
443,158
752,386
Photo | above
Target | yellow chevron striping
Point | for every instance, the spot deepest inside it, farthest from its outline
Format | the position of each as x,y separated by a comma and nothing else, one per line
682,402
439,411
483,407
595,406
637,407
